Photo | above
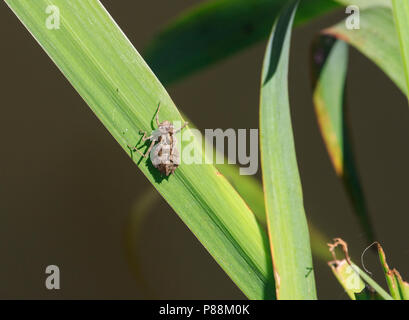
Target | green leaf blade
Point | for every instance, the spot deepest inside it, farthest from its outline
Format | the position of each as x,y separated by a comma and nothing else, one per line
288,230
401,14
330,64
377,39
113,79
216,29
398,288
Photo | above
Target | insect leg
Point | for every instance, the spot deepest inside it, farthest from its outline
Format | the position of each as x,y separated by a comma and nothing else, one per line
140,152
144,138
157,115
137,150
180,129
149,150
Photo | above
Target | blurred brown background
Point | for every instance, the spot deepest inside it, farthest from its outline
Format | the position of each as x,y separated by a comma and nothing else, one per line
60,206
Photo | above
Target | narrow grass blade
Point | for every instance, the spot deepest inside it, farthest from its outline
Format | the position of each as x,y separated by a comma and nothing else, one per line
216,29
288,230
403,286
389,275
372,283
401,14
330,63
377,40
116,83
398,288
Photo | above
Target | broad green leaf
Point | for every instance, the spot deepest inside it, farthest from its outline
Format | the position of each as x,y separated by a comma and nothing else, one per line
377,40
287,224
116,83
216,29
401,14
330,63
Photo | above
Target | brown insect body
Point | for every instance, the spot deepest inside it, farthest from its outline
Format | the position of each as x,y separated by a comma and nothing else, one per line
163,150
165,155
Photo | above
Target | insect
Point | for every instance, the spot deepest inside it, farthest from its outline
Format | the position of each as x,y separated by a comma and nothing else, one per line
163,151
